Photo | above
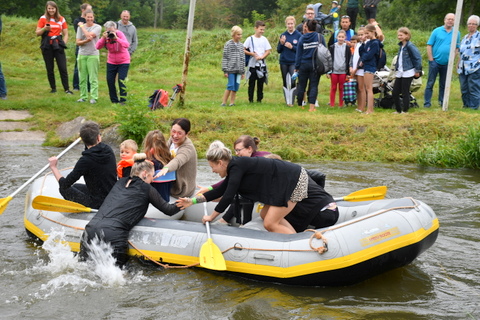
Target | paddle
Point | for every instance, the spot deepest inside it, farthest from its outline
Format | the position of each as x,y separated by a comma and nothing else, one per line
374,193
210,255
59,205
4,201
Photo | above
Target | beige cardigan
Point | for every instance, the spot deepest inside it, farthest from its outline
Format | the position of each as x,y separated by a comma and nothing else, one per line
185,163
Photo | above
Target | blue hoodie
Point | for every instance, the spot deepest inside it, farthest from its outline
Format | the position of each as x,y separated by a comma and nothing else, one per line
307,45
287,56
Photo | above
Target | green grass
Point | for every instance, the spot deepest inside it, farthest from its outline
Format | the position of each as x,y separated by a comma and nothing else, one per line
295,134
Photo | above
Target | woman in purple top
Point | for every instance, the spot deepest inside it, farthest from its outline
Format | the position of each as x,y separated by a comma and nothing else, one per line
244,146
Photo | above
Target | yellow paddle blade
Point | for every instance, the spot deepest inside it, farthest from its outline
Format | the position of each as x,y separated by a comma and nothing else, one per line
374,193
4,203
58,205
211,257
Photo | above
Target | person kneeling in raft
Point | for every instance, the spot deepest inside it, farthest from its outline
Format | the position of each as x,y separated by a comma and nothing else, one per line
293,197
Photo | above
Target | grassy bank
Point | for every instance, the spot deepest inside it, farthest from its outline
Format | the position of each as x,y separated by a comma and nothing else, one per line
295,134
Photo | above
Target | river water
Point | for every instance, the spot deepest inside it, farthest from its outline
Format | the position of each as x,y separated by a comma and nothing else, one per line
46,282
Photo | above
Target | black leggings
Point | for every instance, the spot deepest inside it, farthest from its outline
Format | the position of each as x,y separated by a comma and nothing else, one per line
49,56
402,86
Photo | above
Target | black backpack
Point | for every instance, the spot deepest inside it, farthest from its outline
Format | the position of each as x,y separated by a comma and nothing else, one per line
382,58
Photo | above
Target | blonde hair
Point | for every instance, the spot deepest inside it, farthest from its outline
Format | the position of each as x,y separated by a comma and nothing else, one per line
290,18
406,31
140,164
129,144
217,151
235,30
155,146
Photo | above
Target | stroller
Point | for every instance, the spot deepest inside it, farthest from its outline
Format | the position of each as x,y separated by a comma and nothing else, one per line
383,82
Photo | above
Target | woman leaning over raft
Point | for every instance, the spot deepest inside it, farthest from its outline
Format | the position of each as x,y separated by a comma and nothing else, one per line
265,180
124,207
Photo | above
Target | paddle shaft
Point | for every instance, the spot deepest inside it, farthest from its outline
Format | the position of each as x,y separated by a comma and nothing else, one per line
44,168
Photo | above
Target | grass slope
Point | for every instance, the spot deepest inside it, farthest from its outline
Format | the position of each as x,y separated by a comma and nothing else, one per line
295,134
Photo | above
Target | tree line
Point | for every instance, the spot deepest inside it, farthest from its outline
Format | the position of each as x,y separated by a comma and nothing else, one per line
210,14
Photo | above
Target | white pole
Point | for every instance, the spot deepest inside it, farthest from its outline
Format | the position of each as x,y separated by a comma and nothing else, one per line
451,58
186,57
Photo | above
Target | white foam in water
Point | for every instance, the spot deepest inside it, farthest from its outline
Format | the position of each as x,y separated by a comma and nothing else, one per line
99,270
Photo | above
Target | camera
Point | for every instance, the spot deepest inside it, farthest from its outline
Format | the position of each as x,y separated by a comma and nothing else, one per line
47,25
110,34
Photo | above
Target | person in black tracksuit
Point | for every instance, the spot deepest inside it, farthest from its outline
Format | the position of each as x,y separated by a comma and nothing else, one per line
126,204
97,165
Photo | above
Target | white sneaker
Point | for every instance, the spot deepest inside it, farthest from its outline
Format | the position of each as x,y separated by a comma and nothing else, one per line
92,101
81,100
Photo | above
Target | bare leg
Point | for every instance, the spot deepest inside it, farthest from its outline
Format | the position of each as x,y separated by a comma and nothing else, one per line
233,95
274,218
225,96
361,93
369,89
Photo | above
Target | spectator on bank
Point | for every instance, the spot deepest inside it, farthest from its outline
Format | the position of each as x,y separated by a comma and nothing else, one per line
370,8
118,60
341,56
88,57
304,68
352,11
287,48
345,25
468,65
76,80
258,47
53,29
438,52
129,30
309,15
408,66
233,65
334,13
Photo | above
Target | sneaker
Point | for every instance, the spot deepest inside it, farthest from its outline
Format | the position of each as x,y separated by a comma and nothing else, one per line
231,105
358,110
68,92
81,100
122,103
4,98
53,90
76,89
92,101
223,105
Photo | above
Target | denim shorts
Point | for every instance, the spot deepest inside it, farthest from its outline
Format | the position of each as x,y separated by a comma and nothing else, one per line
232,83
369,69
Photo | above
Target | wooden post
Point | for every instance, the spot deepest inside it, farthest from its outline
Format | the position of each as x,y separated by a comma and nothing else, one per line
451,58
186,57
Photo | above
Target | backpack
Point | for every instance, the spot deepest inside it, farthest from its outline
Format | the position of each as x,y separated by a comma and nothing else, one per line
382,59
158,100
322,62
247,57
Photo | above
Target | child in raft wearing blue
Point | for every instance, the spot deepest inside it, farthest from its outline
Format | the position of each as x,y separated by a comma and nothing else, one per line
233,65
157,151
128,148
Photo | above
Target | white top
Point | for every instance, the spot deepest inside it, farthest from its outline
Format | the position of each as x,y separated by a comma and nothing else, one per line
88,49
260,45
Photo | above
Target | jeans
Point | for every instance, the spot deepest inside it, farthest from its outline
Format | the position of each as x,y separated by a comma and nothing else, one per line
470,87
3,86
112,71
49,56
435,69
306,73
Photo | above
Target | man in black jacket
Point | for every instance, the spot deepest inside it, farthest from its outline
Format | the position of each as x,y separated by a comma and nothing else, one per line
97,165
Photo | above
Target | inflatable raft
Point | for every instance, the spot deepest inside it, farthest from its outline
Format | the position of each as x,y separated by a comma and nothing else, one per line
371,237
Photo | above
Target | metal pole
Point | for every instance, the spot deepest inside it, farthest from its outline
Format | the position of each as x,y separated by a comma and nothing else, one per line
451,58
186,57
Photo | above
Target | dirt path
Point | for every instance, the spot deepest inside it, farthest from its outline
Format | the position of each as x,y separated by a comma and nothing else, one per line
14,128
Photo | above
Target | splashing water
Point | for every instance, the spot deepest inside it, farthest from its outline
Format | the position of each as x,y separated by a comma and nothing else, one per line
100,270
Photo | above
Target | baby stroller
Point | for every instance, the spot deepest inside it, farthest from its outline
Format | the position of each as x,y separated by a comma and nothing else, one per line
383,82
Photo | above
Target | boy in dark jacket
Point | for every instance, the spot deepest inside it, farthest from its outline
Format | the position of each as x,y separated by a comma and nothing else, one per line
97,165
